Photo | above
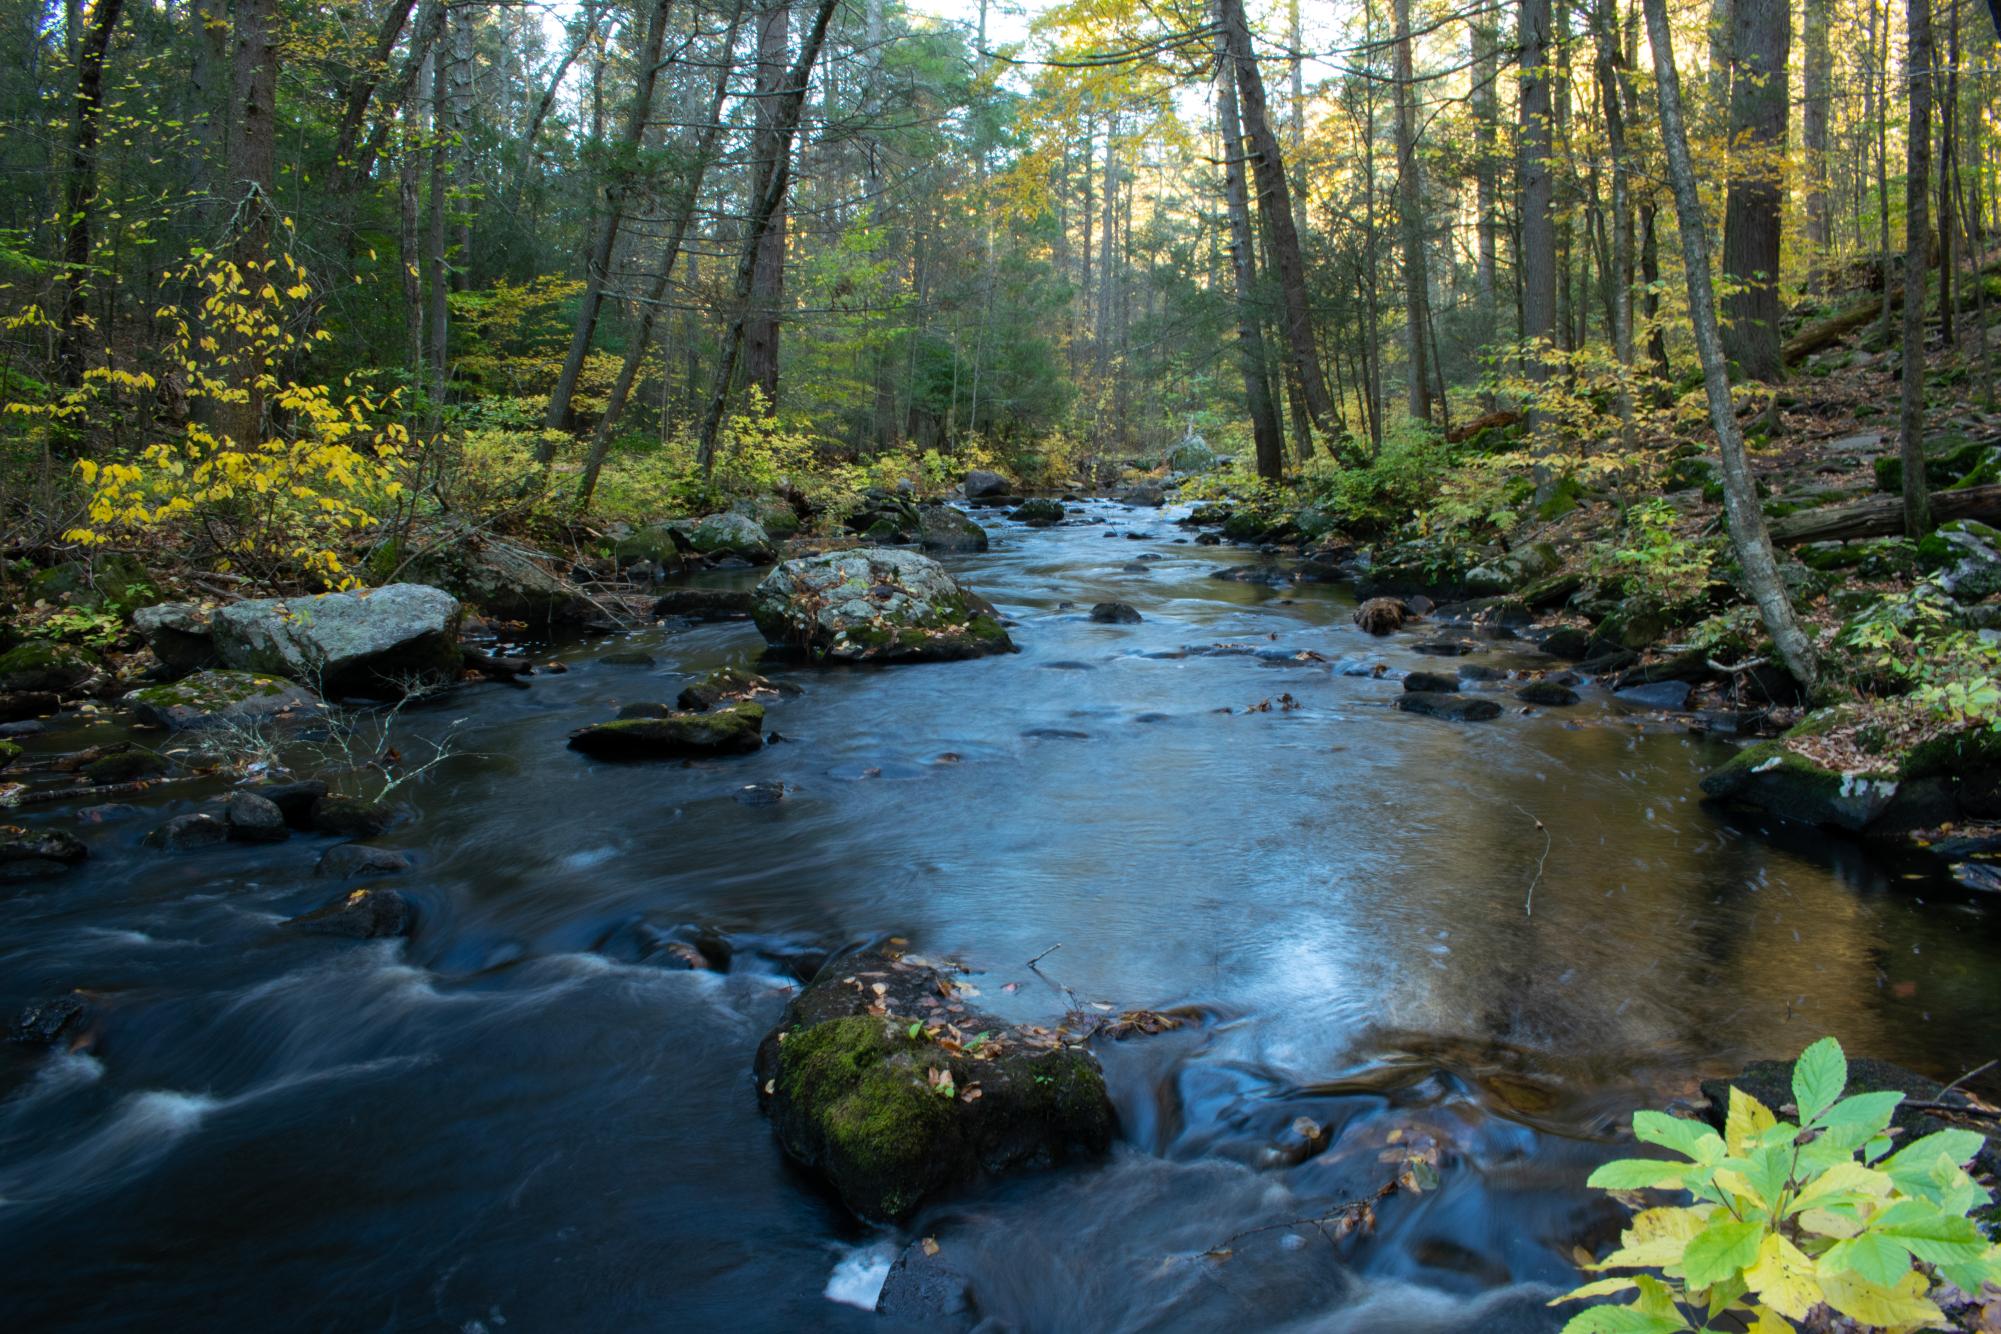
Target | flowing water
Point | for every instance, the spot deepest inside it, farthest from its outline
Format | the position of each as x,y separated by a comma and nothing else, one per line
512,1121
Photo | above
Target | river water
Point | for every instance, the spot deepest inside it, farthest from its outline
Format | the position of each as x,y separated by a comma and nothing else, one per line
512,1121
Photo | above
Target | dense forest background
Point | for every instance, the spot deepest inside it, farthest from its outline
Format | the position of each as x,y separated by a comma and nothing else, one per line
413,257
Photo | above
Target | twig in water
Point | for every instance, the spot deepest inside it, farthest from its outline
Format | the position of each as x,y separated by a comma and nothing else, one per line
1045,954
1528,904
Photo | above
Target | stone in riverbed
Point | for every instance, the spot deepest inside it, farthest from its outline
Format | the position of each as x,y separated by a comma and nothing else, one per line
1115,613
186,833
254,819
294,799
983,485
31,854
360,914
1444,648
180,635
351,817
210,700
357,861
1455,708
723,535
874,604
704,604
44,1023
1548,694
723,685
943,528
1381,616
1039,513
735,730
1431,682
1669,695
377,641
890,1118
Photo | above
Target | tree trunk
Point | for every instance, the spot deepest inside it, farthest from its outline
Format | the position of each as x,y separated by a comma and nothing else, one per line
1748,537
80,185
1486,126
1818,76
439,273
789,101
1752,215
1410,224
1948,129
1537,258
767,288
597,263
1917,229
1250,327
1275,207
642,325
461,72
1621,273
253,182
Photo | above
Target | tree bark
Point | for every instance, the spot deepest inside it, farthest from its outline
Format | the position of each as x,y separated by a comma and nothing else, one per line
1621,272
767,288
604,239
1818,74
253,182
1275,207
1748,536
1752,214
1537,258
1410,224
1486,127
789,100
642,325
80,185
1917,230
1250,326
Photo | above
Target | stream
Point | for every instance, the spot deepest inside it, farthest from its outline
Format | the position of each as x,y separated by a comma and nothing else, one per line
514,1121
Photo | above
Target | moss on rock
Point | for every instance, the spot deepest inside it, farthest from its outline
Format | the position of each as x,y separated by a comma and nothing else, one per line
44,665
735,730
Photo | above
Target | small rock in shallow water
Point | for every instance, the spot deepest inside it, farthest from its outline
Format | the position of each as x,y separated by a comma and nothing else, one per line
1657,694
254,819
1457,708
651,709
760,794
1443,648
1549,694
1115,613
351,817
30,854
295,799
360,914
1380,616
735,730
356,861
1432,682
184,833
43,1023
1056,734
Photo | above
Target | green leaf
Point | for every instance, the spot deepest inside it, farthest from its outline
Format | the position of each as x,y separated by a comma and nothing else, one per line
1691,1139
1720,1251
1929,1234
1636,1174
1621,1320
1957,1145
1818,1078
1860,1118
1875,1257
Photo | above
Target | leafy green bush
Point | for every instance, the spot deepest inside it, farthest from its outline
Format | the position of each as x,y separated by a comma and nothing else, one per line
1655,559
1790,1216
1908,643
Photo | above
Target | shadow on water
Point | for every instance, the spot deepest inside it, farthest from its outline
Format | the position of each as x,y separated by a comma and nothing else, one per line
513,1119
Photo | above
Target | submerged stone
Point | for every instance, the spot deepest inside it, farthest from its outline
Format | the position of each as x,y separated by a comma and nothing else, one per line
1440,704
27,854
735,730
360,914
216,699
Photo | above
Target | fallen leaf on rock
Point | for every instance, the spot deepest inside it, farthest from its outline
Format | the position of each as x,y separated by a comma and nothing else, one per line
930,1245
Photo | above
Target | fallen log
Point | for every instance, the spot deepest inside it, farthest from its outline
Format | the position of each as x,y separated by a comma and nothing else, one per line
1825,333
1883,516
1462,433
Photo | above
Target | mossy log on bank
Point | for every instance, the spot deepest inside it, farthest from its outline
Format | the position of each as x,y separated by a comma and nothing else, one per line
1883,516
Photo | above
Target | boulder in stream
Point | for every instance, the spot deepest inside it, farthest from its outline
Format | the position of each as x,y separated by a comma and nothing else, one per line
180,635
983,485
30,854
735,730
360,861
187,833
220,699
1039,512
1453,707
254,819
376,641
44,666
723,535
1381,616
1115,613
351,817
873,1082
874,604
1547,694
359,914
725,685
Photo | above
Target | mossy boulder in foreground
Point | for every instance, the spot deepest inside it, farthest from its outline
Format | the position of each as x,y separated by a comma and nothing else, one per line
874,604
735,730
43,665
874,1082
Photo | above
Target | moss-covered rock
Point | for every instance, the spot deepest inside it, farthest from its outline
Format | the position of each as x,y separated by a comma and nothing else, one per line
874,604
725,685
31,854
508,580
1774,777
727,535
1039,512
873,1082
1946,462
735,730
9,752
42,665
220,699
377,641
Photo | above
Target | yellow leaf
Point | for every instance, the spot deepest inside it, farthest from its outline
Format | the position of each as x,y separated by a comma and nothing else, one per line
1748,1119
1656,1239
1873,1304
1783,1278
